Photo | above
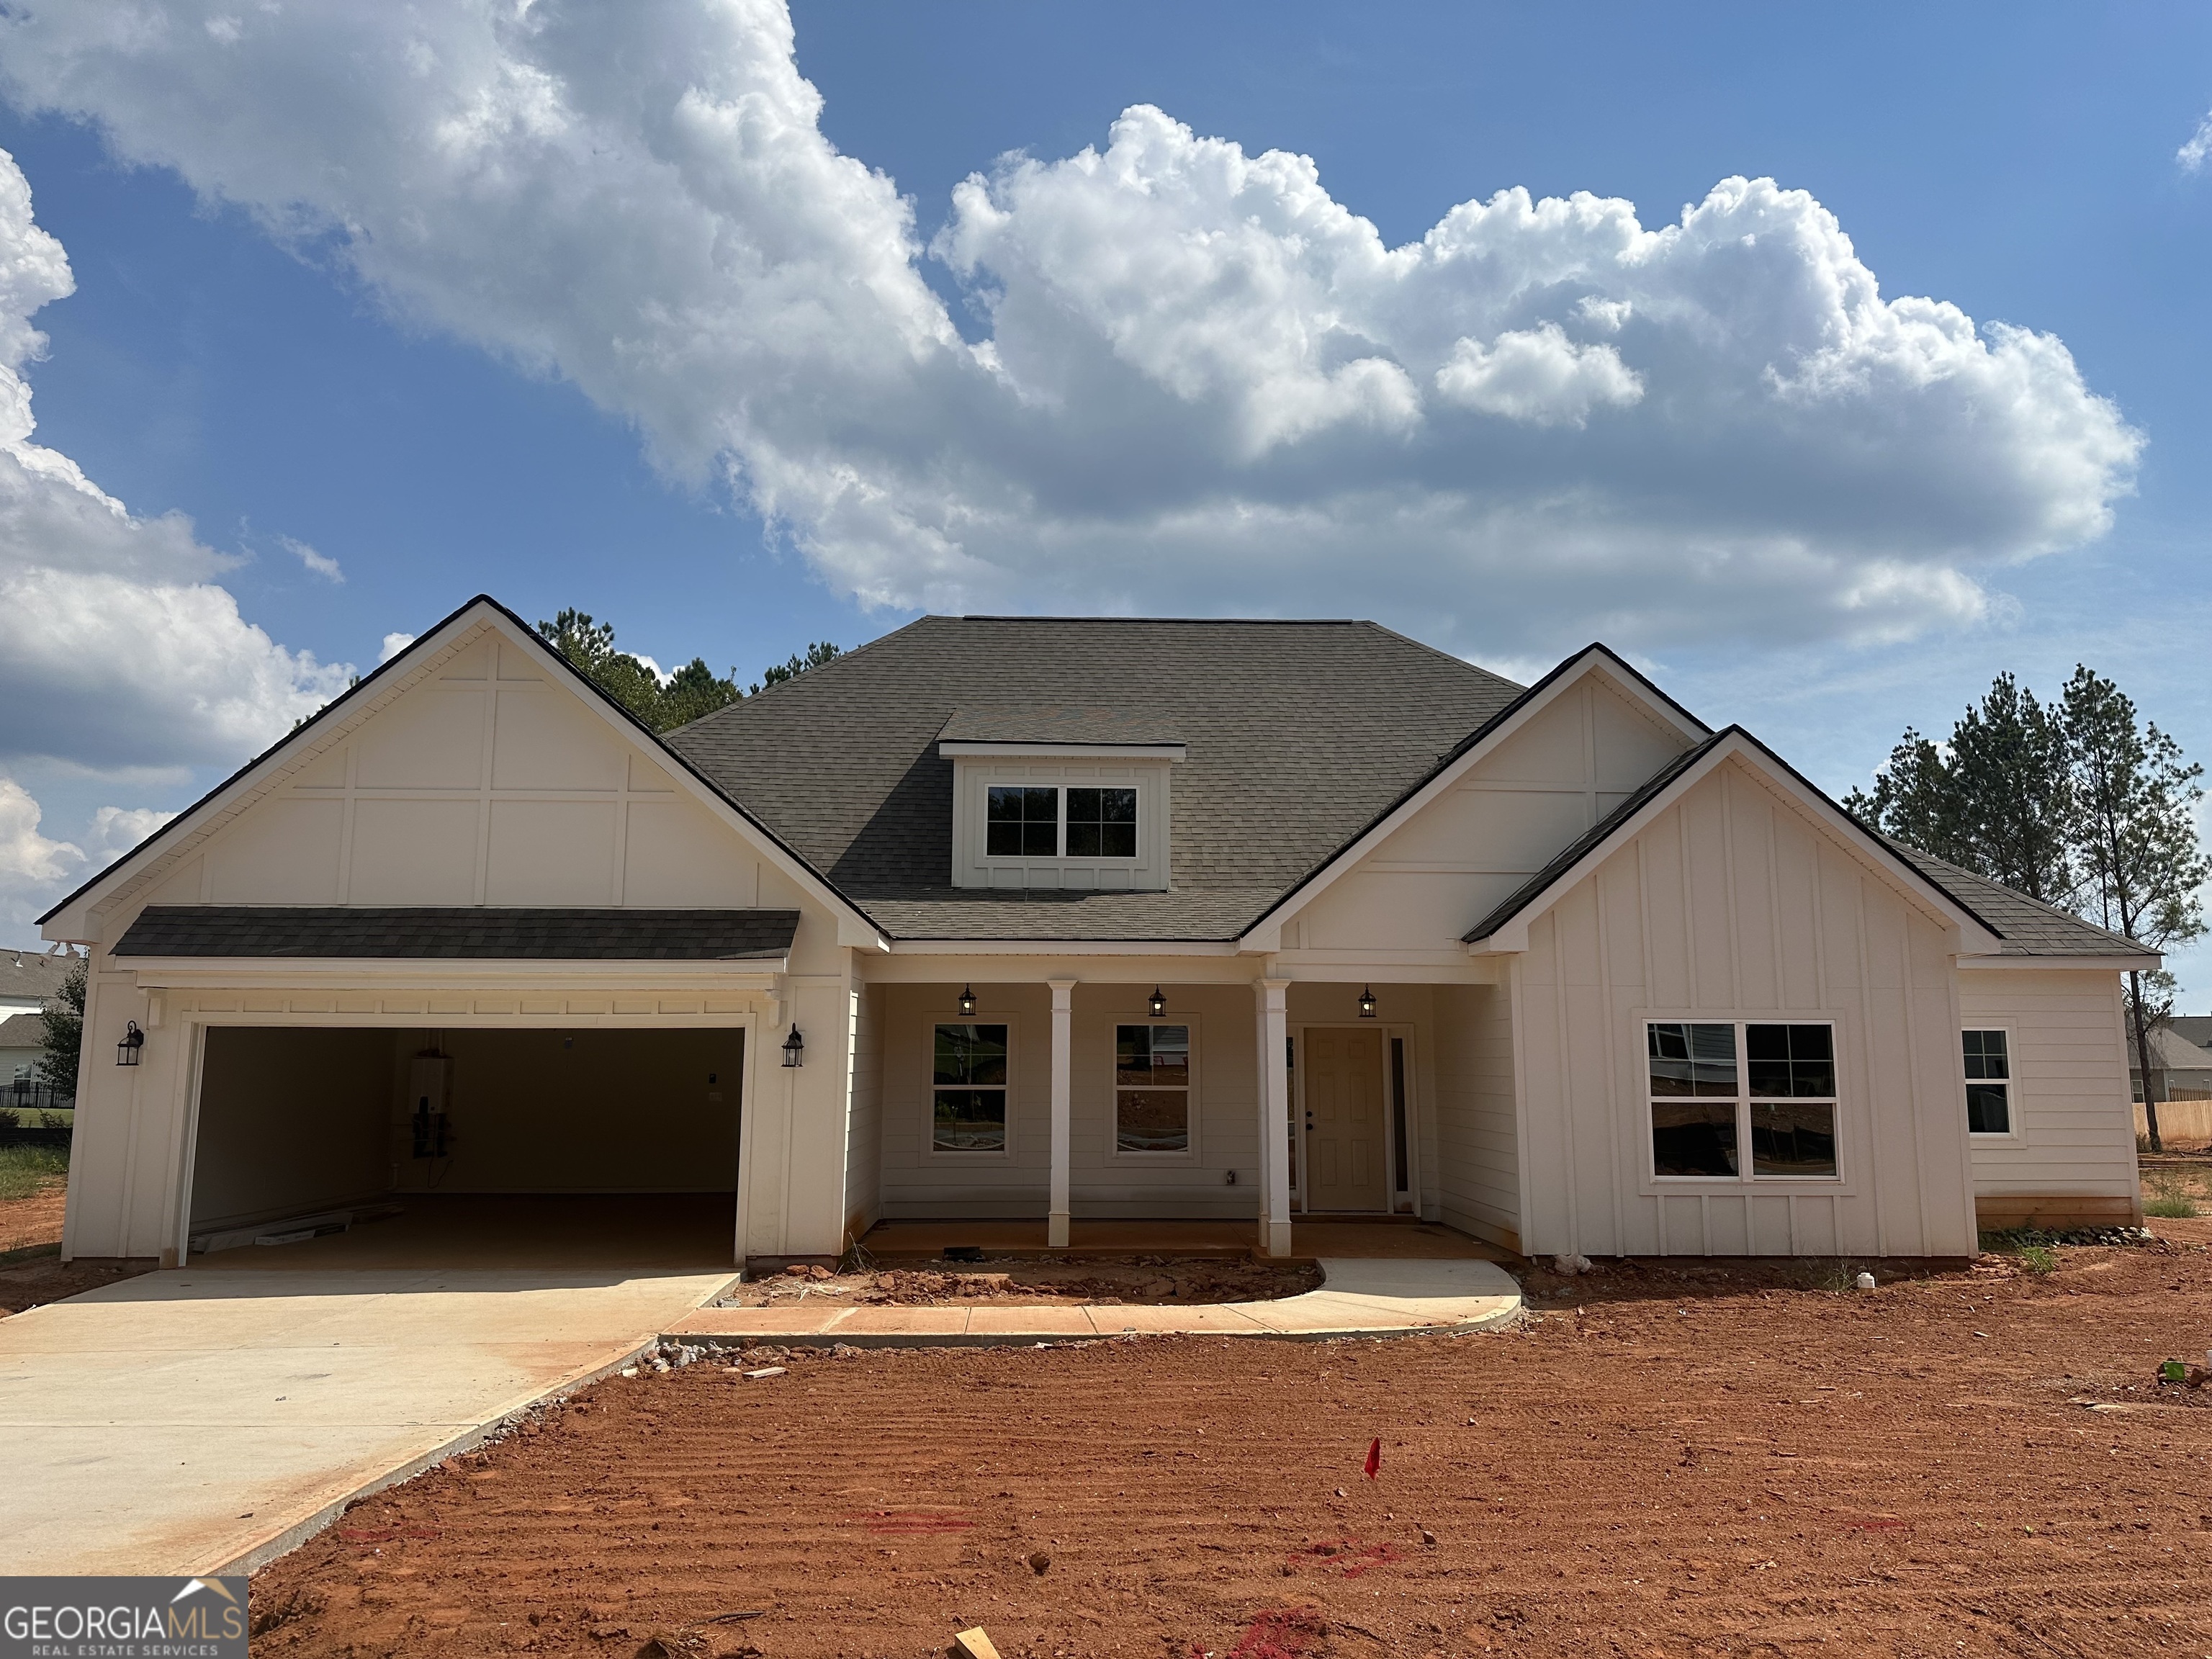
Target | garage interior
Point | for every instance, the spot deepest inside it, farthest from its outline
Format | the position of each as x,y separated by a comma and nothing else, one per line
510,1148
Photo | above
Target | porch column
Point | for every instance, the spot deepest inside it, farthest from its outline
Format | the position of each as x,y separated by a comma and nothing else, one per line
1272,1014
1063,1031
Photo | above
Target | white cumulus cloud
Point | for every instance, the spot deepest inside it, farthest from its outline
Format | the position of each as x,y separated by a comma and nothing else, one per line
116,648
1189,378
2193,155
35,869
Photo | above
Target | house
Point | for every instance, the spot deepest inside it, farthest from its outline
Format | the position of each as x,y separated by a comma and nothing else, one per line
22,1040
1062,919
29,980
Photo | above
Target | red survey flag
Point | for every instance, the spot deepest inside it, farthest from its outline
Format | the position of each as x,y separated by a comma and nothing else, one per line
1374,1456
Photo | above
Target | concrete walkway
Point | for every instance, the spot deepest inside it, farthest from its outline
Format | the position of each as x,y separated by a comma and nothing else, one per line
1358,1298
203,1421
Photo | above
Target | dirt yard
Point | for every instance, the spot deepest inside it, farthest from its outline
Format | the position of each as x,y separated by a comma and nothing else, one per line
1715,1460
1153,1280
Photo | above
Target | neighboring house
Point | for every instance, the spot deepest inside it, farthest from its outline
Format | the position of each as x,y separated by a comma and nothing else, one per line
1066,919
29,980
2176,1052
22,1040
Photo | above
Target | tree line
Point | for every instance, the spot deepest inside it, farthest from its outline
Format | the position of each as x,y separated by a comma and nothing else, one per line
2077,802
692,692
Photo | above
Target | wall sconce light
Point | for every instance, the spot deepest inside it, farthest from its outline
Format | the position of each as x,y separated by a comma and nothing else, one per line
126,1052
794,1047
1159,1002
967,999
1367,1002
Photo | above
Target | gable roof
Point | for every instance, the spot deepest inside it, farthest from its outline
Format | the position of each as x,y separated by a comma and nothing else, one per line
2021,927
1296,734
266,769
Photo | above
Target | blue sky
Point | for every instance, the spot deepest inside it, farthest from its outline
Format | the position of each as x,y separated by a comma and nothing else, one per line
438,422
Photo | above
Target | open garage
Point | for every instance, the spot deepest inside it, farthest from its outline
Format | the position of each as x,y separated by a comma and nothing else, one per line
516,1142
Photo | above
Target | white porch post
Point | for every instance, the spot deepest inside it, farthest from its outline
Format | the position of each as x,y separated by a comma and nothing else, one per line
1271,999
1063,1031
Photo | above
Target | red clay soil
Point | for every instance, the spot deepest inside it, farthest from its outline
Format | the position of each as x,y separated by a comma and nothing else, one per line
25,1223
1160,1281
1660,1463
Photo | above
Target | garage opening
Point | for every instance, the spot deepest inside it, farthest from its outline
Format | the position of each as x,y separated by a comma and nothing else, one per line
328,1147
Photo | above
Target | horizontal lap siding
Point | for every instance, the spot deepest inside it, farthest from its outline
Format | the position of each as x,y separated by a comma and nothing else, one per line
2075,1122
1478,1140
1733,904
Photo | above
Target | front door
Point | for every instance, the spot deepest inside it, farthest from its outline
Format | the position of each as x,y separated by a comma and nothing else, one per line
1344,1120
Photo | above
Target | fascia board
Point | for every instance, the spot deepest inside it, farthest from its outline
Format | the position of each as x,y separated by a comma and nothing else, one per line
966,749
1972,936
1266,935
1062,947
2114,965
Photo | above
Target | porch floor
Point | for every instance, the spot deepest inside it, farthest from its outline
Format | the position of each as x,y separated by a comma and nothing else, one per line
1380,1239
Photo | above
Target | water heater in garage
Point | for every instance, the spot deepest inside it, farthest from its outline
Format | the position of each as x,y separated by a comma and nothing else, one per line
430,1080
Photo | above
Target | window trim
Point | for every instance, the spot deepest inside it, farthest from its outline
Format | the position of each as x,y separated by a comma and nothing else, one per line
2012,1132
933,1018
1060,855
1745,1178
1113,1152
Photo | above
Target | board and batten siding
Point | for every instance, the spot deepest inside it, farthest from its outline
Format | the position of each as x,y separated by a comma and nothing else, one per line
1477,1119
1412,898
1735,904
2073,1123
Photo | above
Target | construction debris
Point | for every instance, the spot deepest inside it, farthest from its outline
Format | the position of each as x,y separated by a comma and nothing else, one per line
973,1644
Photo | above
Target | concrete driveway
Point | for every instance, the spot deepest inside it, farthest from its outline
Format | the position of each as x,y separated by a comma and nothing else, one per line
203,1420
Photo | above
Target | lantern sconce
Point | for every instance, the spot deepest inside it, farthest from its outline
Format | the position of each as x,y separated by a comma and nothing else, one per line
1159,1002
967,999
1367,1002
794,1047
126,1052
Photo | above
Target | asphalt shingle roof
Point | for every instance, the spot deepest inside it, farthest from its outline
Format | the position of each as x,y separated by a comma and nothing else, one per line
2029,927
33,973
458,934
22,1031
1299,735
1023,723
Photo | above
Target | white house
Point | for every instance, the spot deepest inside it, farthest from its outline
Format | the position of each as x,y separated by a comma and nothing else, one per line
1064,919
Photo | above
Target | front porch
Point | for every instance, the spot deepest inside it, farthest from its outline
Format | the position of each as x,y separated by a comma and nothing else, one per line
1215,1113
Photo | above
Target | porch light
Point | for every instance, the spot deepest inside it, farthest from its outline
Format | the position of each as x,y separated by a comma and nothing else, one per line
794,1047
126,1052
1367,1002
1159,1002
967,999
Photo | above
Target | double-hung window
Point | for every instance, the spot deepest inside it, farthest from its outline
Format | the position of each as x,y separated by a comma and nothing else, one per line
1151,1088
968,1089
1988,1082
1034,820
1720,1089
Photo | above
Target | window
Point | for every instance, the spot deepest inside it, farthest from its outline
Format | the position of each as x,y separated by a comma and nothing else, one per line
1101,824
1022,822
1706,1107
1151,1088
968,1076
1989,1083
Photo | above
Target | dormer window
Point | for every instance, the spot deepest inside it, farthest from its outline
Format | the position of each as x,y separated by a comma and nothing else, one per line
1056,797
1024,821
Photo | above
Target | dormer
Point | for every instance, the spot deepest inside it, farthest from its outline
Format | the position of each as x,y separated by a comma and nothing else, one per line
1057,795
